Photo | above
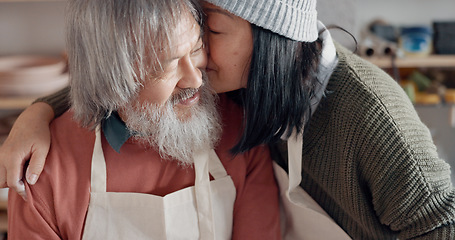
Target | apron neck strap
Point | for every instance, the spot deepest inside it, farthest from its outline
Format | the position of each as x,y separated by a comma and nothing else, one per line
203,192
295,144
98,172
216,168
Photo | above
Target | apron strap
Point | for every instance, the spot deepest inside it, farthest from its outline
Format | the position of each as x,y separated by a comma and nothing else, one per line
98,172
203,193
295,144
216,168
202,181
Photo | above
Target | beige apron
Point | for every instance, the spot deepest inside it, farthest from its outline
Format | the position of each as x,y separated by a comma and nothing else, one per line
301,216
184,214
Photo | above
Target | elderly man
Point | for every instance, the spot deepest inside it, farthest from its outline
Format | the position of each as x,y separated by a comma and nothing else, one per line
134,158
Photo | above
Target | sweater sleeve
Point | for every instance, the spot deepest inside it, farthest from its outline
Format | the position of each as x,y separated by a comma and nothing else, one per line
397,167
410,185
59,101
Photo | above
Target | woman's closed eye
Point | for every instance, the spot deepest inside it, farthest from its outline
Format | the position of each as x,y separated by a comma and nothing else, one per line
213,31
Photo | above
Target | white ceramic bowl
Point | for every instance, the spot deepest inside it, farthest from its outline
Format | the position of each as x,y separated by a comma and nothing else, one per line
31,75
3,195
24,68
34,89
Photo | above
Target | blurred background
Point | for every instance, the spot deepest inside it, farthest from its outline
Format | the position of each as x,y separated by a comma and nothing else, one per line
412,40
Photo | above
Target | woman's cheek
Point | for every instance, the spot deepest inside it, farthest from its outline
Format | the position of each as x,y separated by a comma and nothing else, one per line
216,51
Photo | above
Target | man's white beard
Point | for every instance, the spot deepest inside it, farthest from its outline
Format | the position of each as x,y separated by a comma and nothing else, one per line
159,126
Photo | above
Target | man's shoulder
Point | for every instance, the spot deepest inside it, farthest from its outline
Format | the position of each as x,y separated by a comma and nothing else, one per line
64,121
71,146
66,129
61,194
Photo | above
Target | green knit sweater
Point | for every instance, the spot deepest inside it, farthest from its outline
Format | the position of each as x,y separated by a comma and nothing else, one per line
370,162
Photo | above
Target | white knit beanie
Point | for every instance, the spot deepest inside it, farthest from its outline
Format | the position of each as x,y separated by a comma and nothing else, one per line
295,19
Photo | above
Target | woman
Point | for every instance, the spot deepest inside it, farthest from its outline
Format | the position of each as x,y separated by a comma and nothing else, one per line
366,157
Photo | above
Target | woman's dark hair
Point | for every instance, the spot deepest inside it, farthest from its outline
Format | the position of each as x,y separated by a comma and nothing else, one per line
281,82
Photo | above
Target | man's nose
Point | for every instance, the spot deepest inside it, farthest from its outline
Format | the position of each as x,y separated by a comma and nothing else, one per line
191,76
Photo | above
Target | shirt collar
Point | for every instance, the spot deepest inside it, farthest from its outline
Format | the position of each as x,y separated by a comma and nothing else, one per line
327,64
115,131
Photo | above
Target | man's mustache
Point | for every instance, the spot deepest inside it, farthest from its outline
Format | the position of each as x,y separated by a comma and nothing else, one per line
183,94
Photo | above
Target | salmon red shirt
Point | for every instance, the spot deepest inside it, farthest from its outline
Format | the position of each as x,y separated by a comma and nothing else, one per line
57,204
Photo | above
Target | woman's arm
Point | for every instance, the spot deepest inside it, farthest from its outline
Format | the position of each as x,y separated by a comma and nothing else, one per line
29,139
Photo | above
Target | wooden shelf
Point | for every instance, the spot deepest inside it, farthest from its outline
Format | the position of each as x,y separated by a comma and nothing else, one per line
3,216
444,61
15,103
3,222
3,204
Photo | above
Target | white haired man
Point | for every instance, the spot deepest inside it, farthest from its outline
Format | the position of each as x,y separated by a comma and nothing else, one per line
134,158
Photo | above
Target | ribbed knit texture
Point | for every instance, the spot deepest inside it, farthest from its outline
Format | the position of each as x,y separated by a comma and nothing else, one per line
370,162
295,19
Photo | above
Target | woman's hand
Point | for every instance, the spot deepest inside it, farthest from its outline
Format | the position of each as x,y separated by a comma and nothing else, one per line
29,138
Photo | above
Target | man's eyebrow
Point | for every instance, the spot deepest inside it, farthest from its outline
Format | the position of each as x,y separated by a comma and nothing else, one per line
215,10
178,57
